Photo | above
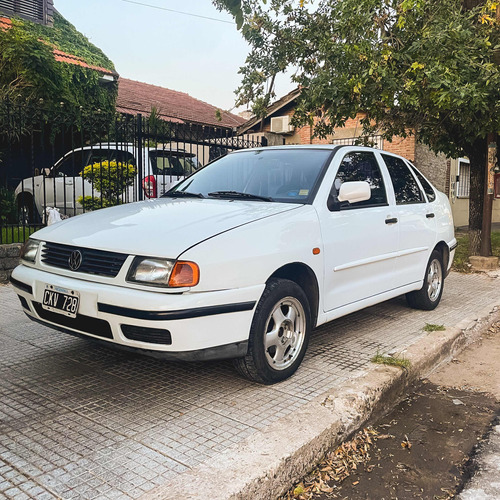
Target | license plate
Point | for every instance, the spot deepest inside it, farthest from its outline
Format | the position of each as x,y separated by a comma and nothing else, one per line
61,300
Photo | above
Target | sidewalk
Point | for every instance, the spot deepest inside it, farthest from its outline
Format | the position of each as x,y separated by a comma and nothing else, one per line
82,420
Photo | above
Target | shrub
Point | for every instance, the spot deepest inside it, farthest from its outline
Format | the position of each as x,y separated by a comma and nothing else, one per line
8,211
110,179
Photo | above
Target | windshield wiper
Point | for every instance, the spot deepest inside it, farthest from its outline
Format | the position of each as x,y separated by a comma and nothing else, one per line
237,194
179,194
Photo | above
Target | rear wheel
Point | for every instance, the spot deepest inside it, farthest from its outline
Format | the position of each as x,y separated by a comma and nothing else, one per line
429,296
279,334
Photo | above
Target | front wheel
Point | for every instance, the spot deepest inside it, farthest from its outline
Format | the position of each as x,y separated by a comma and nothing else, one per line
429,296
279,333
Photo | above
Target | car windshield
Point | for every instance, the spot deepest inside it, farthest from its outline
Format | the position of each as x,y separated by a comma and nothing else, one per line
284,175
175,163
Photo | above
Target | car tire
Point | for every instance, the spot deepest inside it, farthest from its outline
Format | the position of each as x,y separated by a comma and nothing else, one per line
279,333
429,296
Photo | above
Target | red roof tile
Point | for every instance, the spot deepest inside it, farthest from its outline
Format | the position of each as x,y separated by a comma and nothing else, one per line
71,59
59,55
5,23
137,97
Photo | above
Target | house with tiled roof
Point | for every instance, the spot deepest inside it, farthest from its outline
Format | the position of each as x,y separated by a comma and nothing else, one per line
451,176
171,105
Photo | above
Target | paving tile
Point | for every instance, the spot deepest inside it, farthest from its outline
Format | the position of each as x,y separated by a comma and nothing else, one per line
82,420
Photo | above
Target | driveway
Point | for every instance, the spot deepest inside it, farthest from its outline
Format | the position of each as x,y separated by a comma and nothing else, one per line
81,420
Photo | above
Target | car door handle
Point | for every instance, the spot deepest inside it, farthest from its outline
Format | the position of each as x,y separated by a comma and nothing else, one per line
430,216
394,220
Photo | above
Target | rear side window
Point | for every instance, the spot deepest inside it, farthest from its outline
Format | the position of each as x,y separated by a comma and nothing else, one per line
362,166
405,186
429,191
169,163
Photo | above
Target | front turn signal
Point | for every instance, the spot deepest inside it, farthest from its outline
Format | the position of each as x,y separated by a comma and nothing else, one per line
184,273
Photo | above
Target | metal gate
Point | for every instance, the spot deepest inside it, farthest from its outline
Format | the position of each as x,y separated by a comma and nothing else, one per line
92,161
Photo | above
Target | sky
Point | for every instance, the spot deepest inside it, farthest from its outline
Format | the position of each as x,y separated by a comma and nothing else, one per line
189,54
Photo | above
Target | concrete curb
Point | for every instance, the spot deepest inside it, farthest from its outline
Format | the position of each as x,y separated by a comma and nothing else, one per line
267,463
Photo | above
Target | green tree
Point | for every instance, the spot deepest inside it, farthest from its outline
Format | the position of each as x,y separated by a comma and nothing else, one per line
428,67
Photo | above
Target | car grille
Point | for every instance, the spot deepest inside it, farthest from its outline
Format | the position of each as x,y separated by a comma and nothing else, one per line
93,261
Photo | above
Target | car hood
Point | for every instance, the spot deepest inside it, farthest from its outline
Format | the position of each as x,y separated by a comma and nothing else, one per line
158,228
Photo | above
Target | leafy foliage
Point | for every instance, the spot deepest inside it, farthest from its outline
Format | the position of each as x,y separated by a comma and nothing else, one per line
8,210
109,179
29,71
68,39
426,65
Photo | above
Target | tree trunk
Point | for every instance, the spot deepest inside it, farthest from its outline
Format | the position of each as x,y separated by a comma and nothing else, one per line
478,157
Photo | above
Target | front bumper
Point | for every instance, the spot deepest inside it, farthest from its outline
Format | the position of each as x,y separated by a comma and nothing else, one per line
204,325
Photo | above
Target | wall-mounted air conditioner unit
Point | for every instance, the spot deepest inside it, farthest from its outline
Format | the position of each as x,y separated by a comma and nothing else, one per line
281,125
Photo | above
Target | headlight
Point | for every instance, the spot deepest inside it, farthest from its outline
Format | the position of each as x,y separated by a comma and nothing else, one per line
163,272
29,250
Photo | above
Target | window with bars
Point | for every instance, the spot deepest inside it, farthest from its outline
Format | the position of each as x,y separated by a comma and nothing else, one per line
34,10
375,141
463,179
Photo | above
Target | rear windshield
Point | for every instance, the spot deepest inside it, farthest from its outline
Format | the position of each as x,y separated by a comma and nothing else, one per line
175,163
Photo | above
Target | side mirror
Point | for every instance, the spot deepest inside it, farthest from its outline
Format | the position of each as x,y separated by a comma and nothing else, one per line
46,172
354,191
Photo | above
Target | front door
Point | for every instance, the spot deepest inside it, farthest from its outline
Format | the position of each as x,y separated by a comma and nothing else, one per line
361,239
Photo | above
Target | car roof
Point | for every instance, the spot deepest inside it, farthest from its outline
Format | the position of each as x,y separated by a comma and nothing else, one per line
329,147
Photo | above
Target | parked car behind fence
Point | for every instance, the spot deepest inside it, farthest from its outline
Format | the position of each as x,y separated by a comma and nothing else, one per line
127,158
74,183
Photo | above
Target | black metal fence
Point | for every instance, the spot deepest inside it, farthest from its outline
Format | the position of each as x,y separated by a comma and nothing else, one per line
76,163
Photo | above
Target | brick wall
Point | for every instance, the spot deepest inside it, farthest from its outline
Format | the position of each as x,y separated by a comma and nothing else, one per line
9,259
403,146
434,167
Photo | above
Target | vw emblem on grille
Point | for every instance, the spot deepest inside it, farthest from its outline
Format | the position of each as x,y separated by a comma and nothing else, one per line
75,260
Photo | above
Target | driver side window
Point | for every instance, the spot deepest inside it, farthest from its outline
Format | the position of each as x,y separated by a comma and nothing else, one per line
361,166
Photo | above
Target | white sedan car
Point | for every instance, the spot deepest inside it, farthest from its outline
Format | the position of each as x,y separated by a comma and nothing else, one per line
245,257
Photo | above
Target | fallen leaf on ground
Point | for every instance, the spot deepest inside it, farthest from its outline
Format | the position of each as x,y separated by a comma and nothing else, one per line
385,436
336,466
406,443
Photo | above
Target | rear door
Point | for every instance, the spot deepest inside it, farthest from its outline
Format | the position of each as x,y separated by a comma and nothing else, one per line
360,240
416,221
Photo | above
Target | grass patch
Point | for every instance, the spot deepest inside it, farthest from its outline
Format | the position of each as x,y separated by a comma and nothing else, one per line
429,327
461,260
16,234
382,359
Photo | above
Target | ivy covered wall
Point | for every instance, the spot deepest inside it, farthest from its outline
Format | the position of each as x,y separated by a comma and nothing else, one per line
29,71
